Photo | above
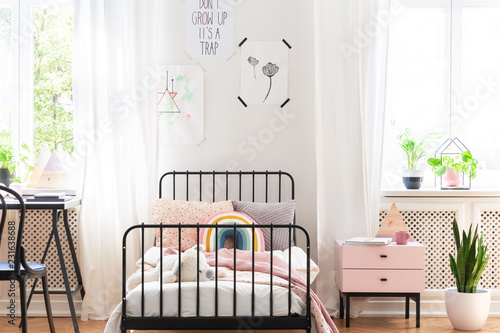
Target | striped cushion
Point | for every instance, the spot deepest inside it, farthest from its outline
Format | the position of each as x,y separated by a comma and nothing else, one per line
267,213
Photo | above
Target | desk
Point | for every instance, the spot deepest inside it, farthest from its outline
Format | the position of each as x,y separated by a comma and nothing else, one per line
57,208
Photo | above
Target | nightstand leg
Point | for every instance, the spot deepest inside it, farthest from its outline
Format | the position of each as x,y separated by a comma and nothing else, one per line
341,300
417,299
407,308
347,310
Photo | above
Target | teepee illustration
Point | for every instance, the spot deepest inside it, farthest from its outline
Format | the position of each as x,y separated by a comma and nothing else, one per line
166,99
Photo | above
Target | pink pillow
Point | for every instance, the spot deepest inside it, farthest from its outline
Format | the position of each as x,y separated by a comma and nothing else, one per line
168,211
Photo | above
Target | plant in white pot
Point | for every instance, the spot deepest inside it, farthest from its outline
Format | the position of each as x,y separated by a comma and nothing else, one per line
468,306
414,150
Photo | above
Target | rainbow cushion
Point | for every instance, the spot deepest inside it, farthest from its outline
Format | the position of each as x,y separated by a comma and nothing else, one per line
243,235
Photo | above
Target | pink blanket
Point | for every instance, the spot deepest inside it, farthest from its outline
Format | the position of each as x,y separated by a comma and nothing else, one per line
324,323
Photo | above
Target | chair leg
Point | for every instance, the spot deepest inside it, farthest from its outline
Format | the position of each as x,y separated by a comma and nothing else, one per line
24,310
30,297
48,308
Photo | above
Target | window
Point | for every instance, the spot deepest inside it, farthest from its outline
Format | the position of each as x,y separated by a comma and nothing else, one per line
36,74
443,75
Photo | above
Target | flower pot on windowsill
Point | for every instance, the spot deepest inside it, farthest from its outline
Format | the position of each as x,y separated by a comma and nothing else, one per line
5,176
451,178
413,179
467,311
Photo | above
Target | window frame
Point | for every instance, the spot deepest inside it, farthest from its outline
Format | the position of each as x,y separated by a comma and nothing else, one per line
453,76
22,41
453,41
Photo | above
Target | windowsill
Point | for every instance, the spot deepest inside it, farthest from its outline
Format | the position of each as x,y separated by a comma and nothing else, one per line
433,192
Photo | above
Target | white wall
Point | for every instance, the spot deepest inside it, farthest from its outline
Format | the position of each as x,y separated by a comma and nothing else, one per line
228,124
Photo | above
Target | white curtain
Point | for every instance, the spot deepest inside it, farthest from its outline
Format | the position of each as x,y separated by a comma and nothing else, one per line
351,48
115,136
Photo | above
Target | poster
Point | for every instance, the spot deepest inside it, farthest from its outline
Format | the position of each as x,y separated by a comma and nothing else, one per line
210,28
179,95
264,72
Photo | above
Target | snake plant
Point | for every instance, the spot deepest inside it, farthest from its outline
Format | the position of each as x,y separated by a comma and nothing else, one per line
470,261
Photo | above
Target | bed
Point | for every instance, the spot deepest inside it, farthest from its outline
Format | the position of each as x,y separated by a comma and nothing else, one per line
262,290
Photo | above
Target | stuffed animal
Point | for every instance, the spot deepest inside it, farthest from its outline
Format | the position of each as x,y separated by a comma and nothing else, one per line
171,269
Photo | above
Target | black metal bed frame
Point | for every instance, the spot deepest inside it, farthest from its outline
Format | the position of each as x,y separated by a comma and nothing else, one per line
216,322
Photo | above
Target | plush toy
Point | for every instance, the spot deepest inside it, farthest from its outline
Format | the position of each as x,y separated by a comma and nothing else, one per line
171,269
188,267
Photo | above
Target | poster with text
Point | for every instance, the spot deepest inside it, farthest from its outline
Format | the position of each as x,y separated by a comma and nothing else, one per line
180,104
264,72
209,28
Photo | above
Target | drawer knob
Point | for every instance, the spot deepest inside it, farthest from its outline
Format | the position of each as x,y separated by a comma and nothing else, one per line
383,279
383,256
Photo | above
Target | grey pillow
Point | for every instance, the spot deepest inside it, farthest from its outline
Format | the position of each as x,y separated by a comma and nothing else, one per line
267,213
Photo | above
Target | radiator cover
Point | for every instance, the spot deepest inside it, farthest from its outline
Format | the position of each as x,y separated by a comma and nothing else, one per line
37,229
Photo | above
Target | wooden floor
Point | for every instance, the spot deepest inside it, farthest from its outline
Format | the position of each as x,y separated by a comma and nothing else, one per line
359,325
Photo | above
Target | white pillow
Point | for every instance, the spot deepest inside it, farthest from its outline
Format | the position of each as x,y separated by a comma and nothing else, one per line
299,262
151,258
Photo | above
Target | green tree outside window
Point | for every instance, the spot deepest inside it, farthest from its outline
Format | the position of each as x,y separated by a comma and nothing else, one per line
52,80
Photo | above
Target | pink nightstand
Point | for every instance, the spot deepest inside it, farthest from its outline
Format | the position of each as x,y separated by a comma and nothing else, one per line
380,271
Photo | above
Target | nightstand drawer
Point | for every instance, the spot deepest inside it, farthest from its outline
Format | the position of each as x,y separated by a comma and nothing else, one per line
383,257
371,280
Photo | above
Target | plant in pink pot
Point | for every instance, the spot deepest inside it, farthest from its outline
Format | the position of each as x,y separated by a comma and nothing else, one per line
452,168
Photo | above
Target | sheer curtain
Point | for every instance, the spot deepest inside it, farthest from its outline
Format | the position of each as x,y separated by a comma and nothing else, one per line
115,136
351,48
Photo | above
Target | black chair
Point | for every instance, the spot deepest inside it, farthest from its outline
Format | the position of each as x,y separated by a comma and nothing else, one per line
16,267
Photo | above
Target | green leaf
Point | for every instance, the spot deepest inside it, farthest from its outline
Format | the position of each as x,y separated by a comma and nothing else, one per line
441,171
461,270
466,156
434,162
453,267
456,234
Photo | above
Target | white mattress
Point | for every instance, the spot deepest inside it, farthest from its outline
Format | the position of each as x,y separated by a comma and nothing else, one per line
207,301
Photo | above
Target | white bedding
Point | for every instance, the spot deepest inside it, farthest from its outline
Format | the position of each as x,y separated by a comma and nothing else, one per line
207,291
207,301
299,260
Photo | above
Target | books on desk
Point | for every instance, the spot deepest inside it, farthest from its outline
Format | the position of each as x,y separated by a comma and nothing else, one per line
33,199
49,197
371,241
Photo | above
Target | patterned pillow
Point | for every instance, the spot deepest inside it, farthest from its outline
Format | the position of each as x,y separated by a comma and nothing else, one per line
267,213
168,211
245,238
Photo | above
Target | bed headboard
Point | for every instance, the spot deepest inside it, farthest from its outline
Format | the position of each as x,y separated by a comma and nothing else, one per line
255,186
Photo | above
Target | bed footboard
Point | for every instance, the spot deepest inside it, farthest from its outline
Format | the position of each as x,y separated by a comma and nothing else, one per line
217,321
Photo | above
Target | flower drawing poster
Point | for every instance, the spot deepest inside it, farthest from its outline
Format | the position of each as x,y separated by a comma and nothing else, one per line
264,72
179,97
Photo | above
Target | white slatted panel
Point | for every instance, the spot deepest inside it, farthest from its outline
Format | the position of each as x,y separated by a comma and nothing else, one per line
433,228
38,227
490,226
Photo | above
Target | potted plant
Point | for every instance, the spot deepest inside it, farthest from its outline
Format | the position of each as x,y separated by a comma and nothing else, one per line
466,305
453,168
9,163
414,150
